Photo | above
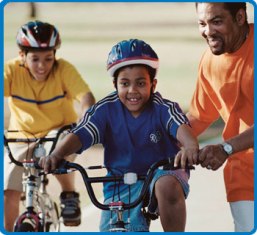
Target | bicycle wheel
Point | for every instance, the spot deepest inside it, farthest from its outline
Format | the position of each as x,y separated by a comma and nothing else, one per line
24,227
53,223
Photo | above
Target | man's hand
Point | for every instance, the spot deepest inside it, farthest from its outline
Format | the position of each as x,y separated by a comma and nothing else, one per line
212,157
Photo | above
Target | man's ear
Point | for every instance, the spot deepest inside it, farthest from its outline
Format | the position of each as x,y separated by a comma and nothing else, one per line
241,17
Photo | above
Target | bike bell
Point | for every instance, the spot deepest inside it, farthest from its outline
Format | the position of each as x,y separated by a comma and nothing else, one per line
130,178
39,151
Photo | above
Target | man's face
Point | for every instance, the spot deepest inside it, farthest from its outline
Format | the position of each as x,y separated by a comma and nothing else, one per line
218,27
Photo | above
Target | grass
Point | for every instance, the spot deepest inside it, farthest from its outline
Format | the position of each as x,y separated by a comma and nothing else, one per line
89,30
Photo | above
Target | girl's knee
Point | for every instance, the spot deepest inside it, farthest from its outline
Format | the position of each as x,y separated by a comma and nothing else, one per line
169,187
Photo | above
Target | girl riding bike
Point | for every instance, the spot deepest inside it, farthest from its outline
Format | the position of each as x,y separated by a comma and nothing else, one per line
137,127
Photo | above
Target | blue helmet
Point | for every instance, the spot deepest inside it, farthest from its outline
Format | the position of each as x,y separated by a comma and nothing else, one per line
129,52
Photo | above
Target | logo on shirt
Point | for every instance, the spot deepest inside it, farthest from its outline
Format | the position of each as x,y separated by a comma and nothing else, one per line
155,137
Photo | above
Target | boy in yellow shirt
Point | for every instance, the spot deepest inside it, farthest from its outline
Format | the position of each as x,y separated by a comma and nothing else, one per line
41,90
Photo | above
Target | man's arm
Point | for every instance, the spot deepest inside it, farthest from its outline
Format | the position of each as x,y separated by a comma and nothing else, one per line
197,126
243,141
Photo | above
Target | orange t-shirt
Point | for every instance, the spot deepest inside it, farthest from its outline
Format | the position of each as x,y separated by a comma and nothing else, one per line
225,88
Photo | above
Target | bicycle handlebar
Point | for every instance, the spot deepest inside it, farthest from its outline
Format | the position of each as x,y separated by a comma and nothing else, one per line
32,140
65,166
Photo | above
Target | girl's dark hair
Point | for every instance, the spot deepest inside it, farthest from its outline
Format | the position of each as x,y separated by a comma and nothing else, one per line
151,71
232,7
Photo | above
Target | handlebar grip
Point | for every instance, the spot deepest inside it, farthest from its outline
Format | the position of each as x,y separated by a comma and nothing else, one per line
95,167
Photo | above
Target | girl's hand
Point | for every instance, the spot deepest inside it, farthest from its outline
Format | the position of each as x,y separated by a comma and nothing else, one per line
186,157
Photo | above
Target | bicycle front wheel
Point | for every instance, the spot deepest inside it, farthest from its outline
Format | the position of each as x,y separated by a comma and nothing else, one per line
52,223
24,227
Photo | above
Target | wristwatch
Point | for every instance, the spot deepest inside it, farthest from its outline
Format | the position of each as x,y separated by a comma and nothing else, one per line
227,148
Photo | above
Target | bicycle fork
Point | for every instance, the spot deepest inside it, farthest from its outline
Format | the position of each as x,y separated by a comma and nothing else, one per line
30,215
119,224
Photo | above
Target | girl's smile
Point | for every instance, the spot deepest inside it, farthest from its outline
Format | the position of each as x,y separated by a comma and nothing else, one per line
135,88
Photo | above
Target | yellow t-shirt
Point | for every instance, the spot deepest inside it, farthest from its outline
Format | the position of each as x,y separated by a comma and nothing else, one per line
225,88
38,107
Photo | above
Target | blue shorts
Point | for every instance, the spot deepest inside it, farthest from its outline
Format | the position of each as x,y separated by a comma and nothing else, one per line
138,222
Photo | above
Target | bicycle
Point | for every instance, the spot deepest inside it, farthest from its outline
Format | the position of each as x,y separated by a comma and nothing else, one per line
41,214
117,207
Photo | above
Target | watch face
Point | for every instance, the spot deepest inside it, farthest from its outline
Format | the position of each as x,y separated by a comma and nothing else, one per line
228,148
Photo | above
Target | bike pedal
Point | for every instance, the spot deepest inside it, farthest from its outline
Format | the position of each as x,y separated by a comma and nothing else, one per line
23,196
72,223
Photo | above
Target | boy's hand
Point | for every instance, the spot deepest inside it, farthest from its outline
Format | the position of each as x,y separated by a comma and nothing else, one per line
50,162
186,157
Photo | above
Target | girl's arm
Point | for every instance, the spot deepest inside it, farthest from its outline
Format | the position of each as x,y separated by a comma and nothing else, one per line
67,146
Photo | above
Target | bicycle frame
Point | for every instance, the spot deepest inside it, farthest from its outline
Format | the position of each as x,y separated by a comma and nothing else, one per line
41,212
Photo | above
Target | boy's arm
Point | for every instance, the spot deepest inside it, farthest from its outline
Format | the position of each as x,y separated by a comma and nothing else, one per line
86,102
190,147
67,146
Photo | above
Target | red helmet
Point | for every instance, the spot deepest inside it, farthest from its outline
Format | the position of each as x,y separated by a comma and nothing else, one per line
38,36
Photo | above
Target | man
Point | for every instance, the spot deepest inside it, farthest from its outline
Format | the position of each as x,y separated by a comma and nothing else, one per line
225,89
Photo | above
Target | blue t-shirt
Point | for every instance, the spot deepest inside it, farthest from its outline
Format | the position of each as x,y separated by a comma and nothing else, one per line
131,144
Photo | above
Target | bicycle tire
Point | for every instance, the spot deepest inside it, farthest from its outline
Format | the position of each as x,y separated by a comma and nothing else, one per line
24,227
52,226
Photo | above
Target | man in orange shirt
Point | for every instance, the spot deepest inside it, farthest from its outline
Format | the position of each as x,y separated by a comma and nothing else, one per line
225,89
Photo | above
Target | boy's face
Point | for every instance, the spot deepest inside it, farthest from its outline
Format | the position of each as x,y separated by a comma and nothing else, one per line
39,63
134,88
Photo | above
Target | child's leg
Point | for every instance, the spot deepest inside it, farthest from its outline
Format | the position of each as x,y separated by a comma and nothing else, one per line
13,184
70,203
171,204
11,208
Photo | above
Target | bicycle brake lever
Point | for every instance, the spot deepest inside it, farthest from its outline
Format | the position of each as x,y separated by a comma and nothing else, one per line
62,169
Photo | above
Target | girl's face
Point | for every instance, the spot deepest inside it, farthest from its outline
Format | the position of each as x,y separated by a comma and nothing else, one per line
134,88
39,63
